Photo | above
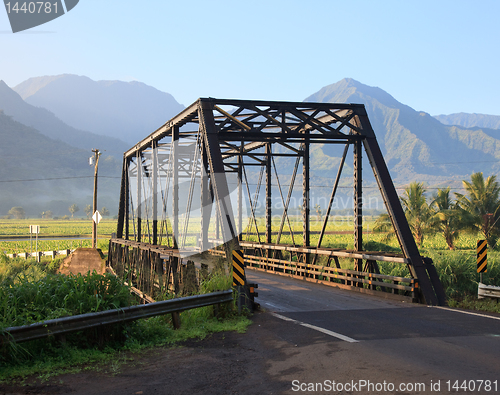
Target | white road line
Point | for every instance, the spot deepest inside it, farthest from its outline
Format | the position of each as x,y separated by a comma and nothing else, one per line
317,328
466,312
272,305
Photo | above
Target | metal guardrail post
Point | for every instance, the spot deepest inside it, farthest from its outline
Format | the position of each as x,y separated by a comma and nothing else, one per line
489,291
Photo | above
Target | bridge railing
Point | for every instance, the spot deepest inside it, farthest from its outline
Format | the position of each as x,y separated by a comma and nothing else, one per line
292,261
154,269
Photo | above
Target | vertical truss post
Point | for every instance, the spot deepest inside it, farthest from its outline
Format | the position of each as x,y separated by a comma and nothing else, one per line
217,223
122,204
154,158
305,192
127,198
139,195
174,156
268,194
240,192
358,203
206,201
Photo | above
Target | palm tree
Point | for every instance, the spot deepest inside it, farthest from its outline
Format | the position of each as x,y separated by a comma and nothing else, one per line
480,205
384,224
446,218
417,212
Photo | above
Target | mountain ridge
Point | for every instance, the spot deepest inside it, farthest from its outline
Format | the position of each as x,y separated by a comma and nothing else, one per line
51,126
416,145
42,174
468,120
410,140
124,110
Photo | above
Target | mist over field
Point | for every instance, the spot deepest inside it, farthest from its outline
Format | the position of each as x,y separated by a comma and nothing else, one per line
49,125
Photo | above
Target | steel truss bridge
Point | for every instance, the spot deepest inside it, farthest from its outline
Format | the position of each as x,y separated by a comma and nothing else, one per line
194,185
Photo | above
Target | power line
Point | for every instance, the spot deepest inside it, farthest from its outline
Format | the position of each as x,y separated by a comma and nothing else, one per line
56,178
252,184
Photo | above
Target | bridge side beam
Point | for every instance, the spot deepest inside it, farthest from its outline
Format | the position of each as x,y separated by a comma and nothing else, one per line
217,175
358,203
154,158
175,184
139,195
432,296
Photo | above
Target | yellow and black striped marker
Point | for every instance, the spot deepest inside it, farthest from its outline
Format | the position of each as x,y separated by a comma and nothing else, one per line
238,268
482,249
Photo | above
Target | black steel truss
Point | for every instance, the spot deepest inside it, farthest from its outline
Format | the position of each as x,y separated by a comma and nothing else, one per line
215,137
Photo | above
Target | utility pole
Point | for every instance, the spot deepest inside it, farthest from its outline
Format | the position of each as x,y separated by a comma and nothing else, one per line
95,159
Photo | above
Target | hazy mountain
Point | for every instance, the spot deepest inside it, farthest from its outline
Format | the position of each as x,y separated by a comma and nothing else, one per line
128,111
41,174
415,145
470,120
51,126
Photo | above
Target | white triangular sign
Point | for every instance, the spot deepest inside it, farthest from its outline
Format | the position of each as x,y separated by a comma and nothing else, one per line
97,217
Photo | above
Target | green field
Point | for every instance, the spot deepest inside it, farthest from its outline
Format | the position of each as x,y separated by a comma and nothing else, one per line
17,228
81,227
467,241
457,268
52,227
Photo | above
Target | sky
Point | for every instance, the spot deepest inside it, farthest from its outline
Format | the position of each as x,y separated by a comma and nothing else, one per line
440,57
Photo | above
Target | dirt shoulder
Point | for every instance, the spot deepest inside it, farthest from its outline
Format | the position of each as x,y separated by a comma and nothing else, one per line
223,363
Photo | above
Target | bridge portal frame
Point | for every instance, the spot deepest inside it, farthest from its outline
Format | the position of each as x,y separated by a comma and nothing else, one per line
230,135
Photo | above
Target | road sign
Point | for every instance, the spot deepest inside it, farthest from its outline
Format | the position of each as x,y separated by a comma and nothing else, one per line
35,229
97,217
238,268
482,248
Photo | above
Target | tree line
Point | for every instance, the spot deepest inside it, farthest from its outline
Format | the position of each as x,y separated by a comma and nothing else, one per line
18,212
477,210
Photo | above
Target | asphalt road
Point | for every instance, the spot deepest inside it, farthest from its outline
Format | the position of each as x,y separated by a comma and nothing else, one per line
370,340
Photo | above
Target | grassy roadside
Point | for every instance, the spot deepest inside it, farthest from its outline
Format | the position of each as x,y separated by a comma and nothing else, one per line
30,292
57,358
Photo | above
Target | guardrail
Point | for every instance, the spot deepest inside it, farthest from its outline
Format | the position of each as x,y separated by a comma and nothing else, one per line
75,323
489,291
39,254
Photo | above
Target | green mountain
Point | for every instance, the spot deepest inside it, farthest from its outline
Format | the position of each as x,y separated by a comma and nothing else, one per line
51,126
39,173
416,146
470,120
128,111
